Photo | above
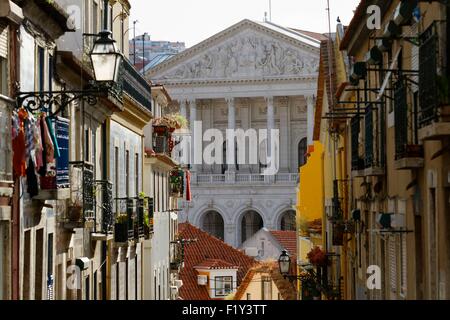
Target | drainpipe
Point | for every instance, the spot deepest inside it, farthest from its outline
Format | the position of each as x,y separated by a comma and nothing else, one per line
15,222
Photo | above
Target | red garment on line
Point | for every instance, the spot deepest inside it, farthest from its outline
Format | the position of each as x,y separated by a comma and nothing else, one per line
188,185
19,149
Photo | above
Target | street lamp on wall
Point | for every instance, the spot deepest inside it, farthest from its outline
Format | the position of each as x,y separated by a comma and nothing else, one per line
105,58
284,263
106,61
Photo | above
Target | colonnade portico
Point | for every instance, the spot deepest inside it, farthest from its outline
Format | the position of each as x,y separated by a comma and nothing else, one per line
189,108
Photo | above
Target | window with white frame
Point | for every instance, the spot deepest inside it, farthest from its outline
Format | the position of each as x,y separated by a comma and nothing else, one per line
266,288
223,286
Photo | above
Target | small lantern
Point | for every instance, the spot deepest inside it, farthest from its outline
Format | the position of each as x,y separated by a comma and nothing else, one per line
284,262
106,59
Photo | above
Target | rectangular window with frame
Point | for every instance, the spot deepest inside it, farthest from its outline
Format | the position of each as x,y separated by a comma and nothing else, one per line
41,69
223,286
116,173
266,288
127,173
136,173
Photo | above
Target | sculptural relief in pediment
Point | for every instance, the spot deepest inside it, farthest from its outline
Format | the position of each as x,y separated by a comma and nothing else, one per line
249,55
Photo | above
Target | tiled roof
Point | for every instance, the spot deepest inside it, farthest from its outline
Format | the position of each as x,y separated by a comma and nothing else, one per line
315,35
215,264
205,248
286,288
287,239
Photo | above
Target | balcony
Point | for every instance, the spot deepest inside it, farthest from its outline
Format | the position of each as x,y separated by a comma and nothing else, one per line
177,183
434,113
90,203
408,153
248,179
135,86
176,256
372,155
357,160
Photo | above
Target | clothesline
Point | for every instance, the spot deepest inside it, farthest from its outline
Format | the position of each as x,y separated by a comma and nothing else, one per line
35,148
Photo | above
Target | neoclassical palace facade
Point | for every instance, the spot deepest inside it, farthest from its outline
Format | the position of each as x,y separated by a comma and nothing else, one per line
252,75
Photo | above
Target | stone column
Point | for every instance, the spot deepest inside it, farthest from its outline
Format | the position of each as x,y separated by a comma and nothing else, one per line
245,115
270,127
183,108
231,144
310,118
193,118
284,134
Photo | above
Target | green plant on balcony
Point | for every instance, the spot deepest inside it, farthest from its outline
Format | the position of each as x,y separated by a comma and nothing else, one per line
176,182
121,228
317,257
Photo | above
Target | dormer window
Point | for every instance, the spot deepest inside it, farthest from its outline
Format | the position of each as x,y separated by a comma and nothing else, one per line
223,286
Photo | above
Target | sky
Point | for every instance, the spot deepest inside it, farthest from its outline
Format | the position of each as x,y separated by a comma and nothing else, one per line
193,21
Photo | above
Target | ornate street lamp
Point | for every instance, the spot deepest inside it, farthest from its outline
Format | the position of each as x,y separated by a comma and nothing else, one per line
284,263
106,61
105,58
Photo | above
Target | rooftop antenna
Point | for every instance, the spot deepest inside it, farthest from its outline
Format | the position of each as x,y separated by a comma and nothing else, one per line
270,10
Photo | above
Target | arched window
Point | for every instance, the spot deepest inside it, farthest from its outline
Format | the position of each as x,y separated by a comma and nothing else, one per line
288,221
213,224
251,223
302,151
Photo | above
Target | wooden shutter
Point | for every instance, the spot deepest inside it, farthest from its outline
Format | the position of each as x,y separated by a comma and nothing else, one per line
392,264
3,38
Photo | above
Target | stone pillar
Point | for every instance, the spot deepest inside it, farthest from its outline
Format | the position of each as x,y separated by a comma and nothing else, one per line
310,118
284,134
193,118
231,144
245,116
270,127
183,108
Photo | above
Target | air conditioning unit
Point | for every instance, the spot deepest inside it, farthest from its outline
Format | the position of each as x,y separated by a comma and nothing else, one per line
391,221
404,12
374,56
391,30
179,283
384,44
202,280
251,252
359,71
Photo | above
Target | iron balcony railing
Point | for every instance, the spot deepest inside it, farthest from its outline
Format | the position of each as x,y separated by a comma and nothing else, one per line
82,205
135,85
104,192
357,161
91,200
433,84
405,119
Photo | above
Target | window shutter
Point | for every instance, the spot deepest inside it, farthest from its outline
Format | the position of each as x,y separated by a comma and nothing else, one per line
415,56
404,266
3,39
392,265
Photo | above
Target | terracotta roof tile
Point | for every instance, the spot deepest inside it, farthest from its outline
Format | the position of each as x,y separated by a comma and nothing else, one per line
288,239
206,248
215,264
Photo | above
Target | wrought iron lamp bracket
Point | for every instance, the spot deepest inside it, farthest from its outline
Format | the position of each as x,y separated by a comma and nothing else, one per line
47,101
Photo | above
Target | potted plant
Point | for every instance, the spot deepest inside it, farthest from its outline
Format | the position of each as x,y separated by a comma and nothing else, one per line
317,257
176,183
121,228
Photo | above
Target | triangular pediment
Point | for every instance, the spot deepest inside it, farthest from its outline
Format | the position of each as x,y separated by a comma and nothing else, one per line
247,50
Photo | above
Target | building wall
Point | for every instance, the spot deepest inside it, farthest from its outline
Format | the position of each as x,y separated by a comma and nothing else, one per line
255,287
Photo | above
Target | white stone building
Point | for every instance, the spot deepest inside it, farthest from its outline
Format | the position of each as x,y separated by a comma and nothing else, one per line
252,75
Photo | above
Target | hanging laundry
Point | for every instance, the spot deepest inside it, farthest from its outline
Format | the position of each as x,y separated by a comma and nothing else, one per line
53,136
39,146
18,144
32,182
47,142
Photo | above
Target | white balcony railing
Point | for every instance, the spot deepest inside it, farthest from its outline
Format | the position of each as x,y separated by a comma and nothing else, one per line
6,106
242,179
